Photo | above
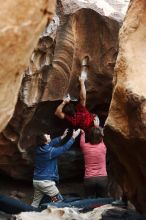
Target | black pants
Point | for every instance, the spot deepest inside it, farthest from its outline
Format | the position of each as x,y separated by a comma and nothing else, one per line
96,186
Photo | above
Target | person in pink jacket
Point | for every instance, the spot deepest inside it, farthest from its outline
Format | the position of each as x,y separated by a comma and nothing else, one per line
94,151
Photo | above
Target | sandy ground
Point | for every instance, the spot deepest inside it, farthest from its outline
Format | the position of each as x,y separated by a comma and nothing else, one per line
24,190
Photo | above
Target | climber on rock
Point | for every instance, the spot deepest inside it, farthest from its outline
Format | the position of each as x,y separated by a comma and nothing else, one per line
78,115
46,168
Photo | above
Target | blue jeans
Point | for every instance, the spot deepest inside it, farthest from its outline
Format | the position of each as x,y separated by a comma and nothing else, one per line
14,206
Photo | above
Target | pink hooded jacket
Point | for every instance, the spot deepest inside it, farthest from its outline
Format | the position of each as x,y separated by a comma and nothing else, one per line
94,158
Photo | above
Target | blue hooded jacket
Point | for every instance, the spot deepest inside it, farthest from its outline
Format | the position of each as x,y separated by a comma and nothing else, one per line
46,166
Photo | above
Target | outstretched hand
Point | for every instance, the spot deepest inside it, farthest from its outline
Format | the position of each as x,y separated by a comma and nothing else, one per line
82,131
64,134
76,133
66,99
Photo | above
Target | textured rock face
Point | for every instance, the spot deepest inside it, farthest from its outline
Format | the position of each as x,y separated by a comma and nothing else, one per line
53,72
111,8
73,41
125,130
21,23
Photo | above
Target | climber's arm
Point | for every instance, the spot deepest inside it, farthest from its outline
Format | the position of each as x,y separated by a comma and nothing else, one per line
59,113
82,92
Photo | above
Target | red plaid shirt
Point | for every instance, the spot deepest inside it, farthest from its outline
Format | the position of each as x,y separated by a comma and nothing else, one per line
82,119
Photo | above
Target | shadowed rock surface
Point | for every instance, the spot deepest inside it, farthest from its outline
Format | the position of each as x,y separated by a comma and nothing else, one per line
4,216
125,131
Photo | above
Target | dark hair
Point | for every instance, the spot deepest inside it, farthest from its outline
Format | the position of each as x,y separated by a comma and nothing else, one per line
95,135
41,140
69,109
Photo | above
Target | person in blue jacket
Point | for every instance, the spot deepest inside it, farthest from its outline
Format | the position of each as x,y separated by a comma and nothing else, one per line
46,167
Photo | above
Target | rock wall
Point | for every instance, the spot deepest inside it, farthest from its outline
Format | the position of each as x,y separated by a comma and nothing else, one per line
53,71
125,131
21,23
111,8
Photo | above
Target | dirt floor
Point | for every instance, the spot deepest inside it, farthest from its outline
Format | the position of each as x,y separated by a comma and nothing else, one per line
24,190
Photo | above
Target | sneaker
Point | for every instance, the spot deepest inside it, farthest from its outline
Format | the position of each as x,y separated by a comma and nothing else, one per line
85,61
57,198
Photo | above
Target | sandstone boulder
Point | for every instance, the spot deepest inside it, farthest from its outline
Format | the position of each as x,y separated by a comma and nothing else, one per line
125,131
21,23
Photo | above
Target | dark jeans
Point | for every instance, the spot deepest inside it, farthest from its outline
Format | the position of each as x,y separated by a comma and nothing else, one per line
86,204
14,206
96,186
